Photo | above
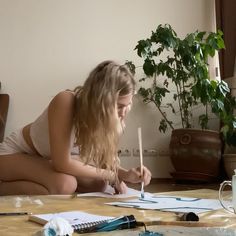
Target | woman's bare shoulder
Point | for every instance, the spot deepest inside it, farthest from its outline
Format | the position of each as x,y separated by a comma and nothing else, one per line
63,99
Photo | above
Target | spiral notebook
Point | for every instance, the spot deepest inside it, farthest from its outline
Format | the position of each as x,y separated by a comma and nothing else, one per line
79,220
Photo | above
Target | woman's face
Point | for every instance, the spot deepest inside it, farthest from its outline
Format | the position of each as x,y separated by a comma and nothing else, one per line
124,105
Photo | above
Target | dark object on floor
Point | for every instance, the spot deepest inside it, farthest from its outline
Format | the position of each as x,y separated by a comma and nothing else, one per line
124,222
189,216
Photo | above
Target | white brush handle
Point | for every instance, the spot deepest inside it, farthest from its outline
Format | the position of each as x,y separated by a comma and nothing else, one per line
141,159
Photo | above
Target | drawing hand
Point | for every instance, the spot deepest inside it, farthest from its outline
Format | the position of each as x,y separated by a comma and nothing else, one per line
134,175
120,187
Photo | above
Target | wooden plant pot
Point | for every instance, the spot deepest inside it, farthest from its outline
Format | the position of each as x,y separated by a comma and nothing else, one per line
4,104
195,154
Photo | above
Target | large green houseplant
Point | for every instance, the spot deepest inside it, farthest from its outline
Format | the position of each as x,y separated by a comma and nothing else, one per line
179,67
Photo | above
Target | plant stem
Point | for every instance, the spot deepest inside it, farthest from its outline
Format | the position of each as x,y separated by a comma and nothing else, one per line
163,115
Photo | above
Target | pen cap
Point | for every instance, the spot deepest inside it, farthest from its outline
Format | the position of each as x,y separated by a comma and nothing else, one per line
189,216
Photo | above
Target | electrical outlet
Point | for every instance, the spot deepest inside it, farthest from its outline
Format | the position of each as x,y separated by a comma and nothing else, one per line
146,152
150,152
124,152
136,152
164,152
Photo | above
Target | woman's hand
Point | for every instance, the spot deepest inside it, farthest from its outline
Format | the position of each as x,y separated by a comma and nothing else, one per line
120,187
134,175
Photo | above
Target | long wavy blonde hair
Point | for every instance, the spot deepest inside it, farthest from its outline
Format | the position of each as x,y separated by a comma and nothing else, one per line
96,117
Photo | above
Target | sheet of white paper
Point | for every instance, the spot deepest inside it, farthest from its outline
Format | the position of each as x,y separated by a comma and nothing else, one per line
171,203
110,193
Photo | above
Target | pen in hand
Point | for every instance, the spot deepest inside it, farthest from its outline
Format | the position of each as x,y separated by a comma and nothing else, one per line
141,159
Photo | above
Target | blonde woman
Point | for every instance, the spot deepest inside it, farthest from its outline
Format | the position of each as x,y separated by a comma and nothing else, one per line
38,159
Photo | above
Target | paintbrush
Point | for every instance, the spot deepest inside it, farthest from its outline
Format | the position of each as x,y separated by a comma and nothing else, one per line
141,159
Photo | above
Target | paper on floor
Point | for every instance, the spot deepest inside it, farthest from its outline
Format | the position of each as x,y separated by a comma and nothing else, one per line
110,193
171,204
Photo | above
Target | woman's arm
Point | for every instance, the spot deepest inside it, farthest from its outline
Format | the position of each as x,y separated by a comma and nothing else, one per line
60,120
79,169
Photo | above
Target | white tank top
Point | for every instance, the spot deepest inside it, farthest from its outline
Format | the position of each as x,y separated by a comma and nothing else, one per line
39,134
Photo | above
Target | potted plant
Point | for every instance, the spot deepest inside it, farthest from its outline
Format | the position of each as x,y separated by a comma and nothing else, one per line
178,69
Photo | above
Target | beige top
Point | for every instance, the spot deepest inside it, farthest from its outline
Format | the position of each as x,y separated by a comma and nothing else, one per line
39,134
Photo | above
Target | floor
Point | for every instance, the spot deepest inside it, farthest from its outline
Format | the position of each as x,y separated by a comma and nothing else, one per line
166,185
155,220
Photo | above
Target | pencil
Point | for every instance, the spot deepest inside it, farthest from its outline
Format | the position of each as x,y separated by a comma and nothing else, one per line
141,159
14,213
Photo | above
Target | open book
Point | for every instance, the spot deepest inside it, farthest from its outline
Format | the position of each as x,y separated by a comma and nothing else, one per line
79,220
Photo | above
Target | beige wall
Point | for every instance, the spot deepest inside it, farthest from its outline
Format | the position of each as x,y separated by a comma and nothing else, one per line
50,45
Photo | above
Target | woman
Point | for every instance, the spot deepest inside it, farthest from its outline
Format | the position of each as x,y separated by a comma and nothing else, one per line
38,159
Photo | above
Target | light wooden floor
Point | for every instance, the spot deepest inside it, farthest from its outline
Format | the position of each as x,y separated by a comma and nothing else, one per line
20,226
166,185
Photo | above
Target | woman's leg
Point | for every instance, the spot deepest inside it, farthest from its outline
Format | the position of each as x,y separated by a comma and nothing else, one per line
22,188
25,174
86,185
